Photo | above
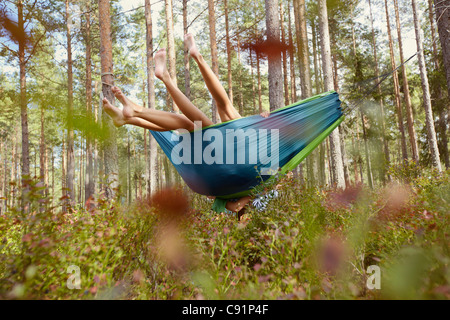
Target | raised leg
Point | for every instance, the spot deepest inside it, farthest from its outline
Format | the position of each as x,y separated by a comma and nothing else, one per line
224,107
185,105
149,119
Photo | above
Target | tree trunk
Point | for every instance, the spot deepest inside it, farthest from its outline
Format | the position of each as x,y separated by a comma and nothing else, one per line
431,133
89,180
187,74
63,173
335,145
443,24
151,96
13,168
258,71
81,171
171,52
42,147
321,155
97,119
167,172
358,78
23,108
2,176
241,91
440,95
284,53
409,112
228,45
303,52
128,170
109,146
70,134
252,74
53,176
275,71
341,130
396,88
291,60
42,154
214,56
381,117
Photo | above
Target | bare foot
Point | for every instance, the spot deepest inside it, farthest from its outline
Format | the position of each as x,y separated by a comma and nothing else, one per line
160,64
191,46
129,107
115,113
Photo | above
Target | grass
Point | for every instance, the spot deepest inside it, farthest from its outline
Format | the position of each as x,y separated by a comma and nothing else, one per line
308,244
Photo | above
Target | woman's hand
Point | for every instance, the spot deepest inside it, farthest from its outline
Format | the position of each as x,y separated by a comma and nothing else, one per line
265,114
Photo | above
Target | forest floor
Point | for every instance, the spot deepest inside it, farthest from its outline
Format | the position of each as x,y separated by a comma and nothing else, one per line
388,243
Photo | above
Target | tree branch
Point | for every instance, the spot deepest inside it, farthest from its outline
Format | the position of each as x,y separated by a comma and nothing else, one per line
30,11
193,20
12,51
34,47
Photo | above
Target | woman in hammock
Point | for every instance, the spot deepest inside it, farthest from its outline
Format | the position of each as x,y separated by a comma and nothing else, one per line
157,120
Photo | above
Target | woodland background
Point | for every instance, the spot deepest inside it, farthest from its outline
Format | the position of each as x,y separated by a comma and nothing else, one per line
73,188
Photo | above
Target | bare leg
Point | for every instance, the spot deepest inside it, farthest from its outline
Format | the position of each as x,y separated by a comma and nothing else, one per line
185,105
224,107
155,120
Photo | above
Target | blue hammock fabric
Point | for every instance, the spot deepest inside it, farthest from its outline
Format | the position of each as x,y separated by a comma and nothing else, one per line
296,126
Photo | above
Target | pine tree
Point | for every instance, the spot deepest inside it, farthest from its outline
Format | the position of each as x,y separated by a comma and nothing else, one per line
429,121
335,145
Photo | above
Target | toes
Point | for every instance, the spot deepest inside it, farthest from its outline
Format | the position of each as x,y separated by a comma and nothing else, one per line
118,94
106,102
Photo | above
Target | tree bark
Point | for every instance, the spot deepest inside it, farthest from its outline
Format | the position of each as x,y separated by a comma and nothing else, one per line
153,183
335,145
396,88
284,54
440,95
431,133
187,74
228,45
23,108
258,71
443,23
42,154
409,112
303,52
275,71
321,155
109,146
291,60
128,170
241,91
252,74
63,173
89,180
358,78
214,56
70,134
171,52
381,117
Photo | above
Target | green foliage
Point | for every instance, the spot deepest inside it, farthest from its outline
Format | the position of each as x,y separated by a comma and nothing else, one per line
307,244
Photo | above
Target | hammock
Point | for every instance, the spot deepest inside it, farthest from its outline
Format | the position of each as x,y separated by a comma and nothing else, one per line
295,130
